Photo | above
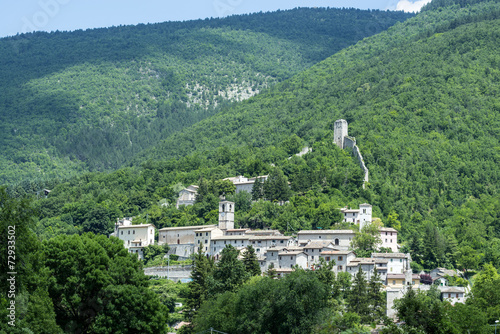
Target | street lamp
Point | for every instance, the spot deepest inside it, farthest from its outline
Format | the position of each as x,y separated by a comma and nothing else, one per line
168,264
496,324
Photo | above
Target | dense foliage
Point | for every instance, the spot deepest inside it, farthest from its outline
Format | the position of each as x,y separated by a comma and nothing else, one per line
422,101
90,100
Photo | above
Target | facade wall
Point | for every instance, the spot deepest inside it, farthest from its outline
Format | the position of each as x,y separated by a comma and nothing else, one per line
344,239
290,260
389,240
217,246
145,234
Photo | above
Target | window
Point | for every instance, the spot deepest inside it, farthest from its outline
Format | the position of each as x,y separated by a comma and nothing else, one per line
327,259
291,258
206,234
393,282
340,267
413,282
224,242
215,242
164,237
449,295
312,257
385,233
364,210
272,254
457,295
385,240
281,241
391,260
340,258
150,231
337,242
280,257
400,260
391,240
133,231
206,248
320,237
196,234
122,232
206,241
258,249
128,231
258,242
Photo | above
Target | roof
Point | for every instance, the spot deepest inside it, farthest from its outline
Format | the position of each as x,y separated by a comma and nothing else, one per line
396,276
326,232
136,226
284,270
336,252
268,237
208,229
275,249
237,230
453,289
276,232
349,210
291,253
318,244
365,260
197,227
390,255
388,229
231,237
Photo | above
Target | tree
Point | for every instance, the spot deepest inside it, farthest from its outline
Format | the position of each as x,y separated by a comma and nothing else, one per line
358,301
366,242
22,253
229,273
271,272
198,287
257,189
90,275
251,262
276,186
376,297
153,251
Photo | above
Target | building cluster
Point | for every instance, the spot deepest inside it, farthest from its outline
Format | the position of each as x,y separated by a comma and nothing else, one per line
187,196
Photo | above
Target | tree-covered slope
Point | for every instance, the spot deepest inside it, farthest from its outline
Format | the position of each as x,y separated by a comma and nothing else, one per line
90,100
422,100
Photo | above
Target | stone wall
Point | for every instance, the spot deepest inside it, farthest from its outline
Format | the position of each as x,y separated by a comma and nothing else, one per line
351,142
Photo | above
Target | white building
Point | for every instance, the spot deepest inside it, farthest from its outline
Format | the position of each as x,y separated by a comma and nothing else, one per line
368,266
203,238
262,243
389,237
289,259
245,184
181,235
136,237
187,196
454,295
341,239
219,243
361,216
397,263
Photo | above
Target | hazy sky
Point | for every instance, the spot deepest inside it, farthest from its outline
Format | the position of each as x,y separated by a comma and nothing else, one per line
50,15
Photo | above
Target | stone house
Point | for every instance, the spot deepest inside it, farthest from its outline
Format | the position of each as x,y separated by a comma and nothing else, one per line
397,263
187,196
389,237
341,239
341,258
288,259
136,237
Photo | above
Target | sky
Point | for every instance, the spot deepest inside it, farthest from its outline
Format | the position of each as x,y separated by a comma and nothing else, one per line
66,15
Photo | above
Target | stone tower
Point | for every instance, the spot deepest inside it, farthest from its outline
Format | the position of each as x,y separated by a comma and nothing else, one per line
226,215
340,132
365,215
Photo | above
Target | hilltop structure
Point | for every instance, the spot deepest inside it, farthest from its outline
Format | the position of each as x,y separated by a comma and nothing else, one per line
342,140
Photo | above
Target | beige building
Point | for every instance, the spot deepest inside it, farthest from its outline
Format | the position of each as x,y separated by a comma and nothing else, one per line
389,237
180,235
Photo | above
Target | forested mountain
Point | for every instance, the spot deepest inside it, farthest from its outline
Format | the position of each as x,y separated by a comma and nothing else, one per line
90,100
422,100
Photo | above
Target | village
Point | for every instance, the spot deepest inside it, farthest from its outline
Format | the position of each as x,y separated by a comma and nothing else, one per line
284,253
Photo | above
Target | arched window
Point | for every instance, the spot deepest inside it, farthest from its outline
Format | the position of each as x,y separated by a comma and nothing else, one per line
230,207
178,241
336,242
223,208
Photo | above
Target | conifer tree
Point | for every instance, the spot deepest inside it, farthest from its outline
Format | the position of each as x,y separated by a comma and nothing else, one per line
276,186
358,297
375,296
251,262
257,189
200,275
229,272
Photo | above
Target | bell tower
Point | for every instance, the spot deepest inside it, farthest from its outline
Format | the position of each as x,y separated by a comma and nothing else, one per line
226,215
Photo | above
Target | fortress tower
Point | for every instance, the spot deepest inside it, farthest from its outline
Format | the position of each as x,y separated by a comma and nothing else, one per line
340,132
226,215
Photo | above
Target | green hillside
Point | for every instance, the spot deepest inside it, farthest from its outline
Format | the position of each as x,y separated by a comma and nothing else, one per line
89,100
423,101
